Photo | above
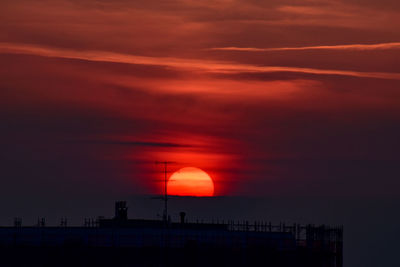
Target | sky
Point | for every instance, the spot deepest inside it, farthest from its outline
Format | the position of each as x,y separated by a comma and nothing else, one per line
268,97
273,99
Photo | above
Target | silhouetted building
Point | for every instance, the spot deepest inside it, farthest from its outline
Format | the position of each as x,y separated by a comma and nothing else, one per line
129,242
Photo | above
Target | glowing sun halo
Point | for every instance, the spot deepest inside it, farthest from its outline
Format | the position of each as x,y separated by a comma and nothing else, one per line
190,181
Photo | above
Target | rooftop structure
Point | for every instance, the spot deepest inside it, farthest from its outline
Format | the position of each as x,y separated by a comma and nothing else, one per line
166,243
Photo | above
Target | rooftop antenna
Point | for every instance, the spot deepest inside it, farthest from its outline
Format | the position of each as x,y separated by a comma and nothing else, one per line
165,163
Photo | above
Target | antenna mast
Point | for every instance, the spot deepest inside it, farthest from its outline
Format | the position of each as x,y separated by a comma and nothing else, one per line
165,163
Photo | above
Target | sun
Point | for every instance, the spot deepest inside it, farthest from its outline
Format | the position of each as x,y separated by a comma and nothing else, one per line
190,181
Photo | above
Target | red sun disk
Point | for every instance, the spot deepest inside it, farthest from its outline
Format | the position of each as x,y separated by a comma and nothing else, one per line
190,181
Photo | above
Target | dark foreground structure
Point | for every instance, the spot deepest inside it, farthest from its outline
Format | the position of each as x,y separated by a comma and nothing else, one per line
124,242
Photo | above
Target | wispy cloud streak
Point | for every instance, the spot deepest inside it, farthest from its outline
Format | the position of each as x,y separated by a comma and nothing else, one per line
136,143
180,63
362,47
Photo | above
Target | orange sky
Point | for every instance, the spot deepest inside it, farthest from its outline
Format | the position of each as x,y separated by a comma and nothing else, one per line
266,96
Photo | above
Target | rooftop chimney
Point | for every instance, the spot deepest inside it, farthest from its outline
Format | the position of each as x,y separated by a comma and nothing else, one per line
121,210
182,214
